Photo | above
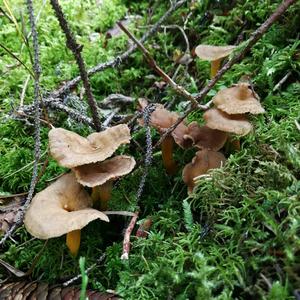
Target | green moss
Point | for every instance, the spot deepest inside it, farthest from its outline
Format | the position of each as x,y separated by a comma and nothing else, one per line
237,237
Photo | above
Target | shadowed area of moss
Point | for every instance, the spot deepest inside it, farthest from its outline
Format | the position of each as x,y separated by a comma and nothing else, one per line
237,236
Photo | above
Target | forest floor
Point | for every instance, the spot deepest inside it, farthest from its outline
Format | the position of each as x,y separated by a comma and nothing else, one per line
237,235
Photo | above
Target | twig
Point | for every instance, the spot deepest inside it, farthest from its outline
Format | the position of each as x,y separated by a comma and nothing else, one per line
152,63
57,105
76,49
37,150
117,60
24,91
89,269
126,241
114,99
282,81
148,157
256,35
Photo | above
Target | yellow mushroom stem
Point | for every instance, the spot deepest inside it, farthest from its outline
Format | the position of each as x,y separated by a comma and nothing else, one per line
214,68
101,195
167,155
73,241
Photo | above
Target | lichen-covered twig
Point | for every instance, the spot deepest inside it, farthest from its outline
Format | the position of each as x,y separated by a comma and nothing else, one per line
126,241
88,270
76,49
148,156
37,150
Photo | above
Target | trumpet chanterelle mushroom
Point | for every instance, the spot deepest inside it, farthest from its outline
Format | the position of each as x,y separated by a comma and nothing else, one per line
201,163
214,54
162,119
62,208
87,157
238,99
203,137
220,120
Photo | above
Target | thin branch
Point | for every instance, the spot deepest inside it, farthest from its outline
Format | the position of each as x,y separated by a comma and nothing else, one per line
256,35
119,59
57,105
152,63
37,149
88,270
126,241
148,110
76,49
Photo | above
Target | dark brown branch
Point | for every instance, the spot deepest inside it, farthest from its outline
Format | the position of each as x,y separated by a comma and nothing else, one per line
256,35
152,63
76,49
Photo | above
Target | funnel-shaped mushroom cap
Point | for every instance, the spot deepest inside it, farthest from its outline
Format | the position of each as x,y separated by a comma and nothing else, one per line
217,119
98,173
204,137
161,119
72,150
201,163
238,99
211,53
60,208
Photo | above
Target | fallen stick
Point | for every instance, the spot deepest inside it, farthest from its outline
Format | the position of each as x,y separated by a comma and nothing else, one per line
126,241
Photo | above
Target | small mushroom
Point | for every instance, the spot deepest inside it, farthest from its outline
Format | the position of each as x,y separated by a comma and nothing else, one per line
162,119
217,119
100,175
238,99
203,137
215,54
61,208
86,155
203,161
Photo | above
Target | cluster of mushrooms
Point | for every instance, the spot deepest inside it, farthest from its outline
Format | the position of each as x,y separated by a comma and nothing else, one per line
228,116
65,207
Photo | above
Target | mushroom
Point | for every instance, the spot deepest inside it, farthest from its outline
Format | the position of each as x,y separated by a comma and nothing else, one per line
213,54
220,120
238,99
86,155
203,161
203,137
61,208
162,119
102,174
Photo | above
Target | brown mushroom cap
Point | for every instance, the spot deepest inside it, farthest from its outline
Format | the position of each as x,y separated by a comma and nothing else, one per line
72,150
211,53
217,119
60,208
161,119
201,163
205,137
238,99
98,173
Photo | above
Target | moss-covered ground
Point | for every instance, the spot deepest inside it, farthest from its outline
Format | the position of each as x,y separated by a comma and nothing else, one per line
237,236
